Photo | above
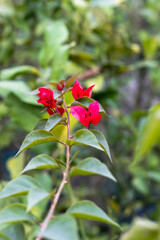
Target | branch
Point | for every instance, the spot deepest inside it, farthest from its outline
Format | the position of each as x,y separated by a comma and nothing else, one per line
50,214
90,73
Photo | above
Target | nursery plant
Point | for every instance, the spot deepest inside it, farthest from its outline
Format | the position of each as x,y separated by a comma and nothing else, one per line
65,105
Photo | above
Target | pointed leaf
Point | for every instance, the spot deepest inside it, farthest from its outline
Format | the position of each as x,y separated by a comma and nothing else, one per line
85,102
53,121
42,161
35,196
91,166
149,134
3,237
84,137
14,213
62,227
18,186
14,231
102,142
89,210
71,80
10,73
36,137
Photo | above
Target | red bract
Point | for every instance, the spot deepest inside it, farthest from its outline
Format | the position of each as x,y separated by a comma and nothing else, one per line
79,91
60,87
46,98
59,110
91,116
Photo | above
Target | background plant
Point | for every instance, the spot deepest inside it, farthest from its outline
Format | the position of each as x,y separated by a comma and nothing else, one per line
118,50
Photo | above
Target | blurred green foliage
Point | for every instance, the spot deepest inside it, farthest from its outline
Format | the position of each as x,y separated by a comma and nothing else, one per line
116,46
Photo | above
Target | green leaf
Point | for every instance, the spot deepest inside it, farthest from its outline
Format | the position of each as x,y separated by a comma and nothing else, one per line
3,237
85,102
84,137
24,114
59,61
55,35
14,213
71,80
15,165
102,142
35,196
53,121
89,210
149,133
18,186
41,161
154,175
142,229
62,227
18,88
40,124
36,137
104,3
91,166
15,231
10,73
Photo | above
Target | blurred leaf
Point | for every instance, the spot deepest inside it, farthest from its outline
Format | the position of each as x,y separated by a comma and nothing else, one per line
106,3
154,175
59,62
18,186
62,227
149,133
41,161
142,229
18,88
15,231
14,213
151,64
71,80
89,210
10,73
91,166
3,237
150,44
141,185
55,34
84,137
36,137
35,196
15,165
85,102
53,121
23,114
102,142
6,11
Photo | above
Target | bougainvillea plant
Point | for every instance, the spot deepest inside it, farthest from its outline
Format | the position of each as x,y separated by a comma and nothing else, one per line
88,112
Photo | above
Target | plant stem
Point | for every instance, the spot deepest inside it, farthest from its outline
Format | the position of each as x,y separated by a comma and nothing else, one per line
56,197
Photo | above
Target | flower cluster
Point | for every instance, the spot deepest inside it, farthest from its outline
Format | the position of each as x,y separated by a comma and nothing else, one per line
91,116
47,99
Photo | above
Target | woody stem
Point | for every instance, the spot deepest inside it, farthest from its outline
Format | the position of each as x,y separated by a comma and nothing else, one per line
56,197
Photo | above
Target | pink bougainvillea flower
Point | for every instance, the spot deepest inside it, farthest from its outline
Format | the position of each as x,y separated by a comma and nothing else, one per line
59,110
91,116
79,91
46,98
60,87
